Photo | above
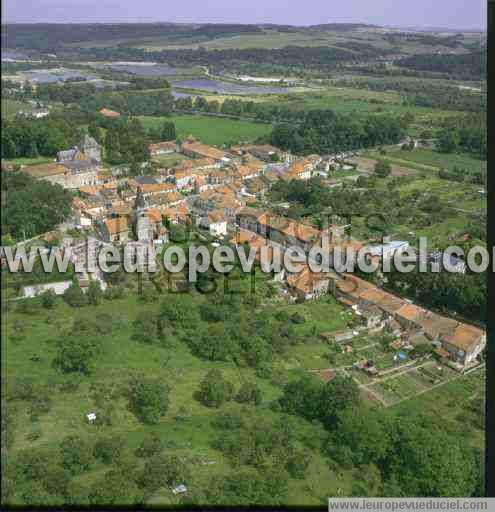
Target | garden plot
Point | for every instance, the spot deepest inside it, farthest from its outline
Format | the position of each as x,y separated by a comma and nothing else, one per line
410,383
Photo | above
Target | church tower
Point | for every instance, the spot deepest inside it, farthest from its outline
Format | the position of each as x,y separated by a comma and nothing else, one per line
142,225
90,148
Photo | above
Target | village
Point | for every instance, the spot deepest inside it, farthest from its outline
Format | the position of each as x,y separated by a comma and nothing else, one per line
219,192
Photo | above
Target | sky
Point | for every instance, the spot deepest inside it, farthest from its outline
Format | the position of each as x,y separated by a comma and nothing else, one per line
455,14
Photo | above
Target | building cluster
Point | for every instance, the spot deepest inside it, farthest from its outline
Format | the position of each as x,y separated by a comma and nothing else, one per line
210,184
453,340
217,189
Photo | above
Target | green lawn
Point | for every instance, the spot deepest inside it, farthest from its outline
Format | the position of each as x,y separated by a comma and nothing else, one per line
212,130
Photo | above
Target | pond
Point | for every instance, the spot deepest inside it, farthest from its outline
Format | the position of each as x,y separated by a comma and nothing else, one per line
144,69
228,87
45,76
9,55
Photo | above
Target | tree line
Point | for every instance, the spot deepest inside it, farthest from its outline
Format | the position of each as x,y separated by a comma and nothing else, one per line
325,132
422,93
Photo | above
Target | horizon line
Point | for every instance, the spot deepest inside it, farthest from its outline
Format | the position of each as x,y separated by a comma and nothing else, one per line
432,28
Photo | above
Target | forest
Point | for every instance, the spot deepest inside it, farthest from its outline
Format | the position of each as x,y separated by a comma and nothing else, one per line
53,37
470,66
23,138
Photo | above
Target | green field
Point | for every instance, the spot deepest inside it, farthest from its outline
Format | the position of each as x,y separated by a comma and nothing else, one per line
212,130
29,161
267,39
438,160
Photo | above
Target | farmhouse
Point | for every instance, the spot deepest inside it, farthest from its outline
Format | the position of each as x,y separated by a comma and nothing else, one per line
163,148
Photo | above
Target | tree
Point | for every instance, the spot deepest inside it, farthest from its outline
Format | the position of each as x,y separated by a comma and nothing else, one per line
382,169
115,488
75,354
76,454
298,463
423,462
33,150
74,296
249,393
448,140
368,481
365,432
96,132
163,469
77,494
109,449
214,390
179,311
95,293
150,446
149,399
56,479
31,206
200,103
338,394
168,131
146,327
248,487
48,299
302,397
